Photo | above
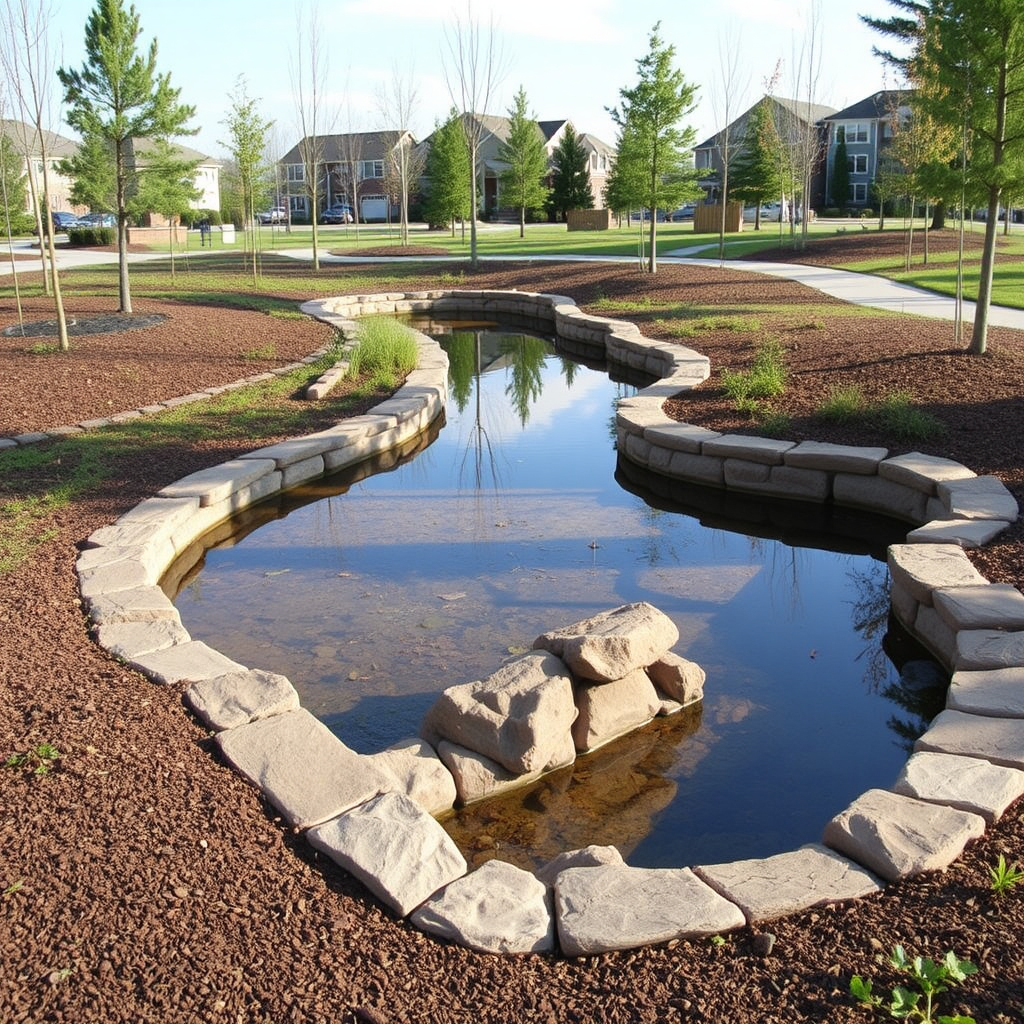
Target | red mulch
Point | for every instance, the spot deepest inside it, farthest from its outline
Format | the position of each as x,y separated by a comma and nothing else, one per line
146,882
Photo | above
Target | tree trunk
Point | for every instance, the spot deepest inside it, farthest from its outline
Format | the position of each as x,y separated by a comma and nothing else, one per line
939,215
979,336
472,205
123,287
522,221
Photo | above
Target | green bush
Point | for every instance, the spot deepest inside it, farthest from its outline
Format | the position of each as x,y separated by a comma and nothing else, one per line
385,351
83,237
830,211
843,404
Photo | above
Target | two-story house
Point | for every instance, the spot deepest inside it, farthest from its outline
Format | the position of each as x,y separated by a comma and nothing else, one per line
359,159
866,126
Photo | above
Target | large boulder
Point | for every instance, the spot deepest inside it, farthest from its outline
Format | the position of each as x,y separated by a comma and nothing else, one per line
678,678
613,644
520,716
418,773
610,710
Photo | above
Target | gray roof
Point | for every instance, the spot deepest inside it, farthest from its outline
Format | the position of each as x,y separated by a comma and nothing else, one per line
339,148
878,106
809,113
56,145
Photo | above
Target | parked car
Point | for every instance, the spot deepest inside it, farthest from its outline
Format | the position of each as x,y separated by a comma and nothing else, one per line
97,220
62,221
339,213
771,212
685,212
278,215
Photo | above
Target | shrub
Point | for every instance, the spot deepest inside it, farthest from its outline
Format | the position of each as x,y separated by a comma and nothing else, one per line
895,414
765,379
843,404
830,211
81,237
385,352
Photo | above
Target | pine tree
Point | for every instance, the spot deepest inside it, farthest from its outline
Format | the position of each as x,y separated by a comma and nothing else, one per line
649,118
448,172
754,176
118,96
521,183
841,174
166,186
571,184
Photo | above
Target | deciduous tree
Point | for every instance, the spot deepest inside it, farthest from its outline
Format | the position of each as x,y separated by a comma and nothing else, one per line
118,96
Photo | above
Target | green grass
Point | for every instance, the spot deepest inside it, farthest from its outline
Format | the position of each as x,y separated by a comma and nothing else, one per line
843,405
385,351
690,328
894,414
766,378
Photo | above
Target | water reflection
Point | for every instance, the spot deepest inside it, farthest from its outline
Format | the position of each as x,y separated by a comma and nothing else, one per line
376,592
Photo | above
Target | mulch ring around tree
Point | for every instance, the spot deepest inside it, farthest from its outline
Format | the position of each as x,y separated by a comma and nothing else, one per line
115,323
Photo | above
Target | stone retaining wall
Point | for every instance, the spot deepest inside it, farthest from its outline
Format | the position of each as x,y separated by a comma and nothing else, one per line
372,813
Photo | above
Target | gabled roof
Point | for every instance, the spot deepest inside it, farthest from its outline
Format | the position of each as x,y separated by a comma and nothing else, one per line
808,113
142,147
878,106
339,148
551,128
596,144
57,146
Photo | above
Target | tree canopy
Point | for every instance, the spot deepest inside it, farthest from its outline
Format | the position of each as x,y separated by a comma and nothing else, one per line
755,176
522,181
118,96
649,118
571,179
448,174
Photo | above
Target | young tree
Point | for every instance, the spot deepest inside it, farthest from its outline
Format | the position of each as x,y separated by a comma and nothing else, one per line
166,186
624,188
755,170
571,179
118,96
841,173
248,135
93,173
522,182
448,174
726,88
649,119
472,71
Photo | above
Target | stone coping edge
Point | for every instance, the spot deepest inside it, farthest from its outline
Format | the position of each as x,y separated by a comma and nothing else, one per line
121,565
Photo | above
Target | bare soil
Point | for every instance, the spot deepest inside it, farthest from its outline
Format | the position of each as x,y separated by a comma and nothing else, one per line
144,881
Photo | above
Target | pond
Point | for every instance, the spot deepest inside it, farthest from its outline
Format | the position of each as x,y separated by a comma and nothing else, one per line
373,594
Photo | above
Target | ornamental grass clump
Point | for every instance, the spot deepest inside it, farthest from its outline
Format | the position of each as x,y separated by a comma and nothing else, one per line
766,378
385,351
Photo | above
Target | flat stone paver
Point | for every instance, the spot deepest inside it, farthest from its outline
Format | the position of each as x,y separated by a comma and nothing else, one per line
988,648
587,857
922,472
131,640
301,767
193,660
235,698
897,836
980,497
499,908
967,783
995,692
989,606
140,604
398,851
922,568
967,533
771,887
618,907
999,740
419,773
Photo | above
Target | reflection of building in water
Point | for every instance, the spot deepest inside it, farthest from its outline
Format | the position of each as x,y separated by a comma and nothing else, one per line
610,798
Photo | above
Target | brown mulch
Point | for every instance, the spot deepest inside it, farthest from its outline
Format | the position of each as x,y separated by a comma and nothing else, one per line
144,881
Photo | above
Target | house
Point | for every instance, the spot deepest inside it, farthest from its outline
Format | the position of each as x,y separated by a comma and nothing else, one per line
866,126
792,119
206,178
494,133
58,148
359,158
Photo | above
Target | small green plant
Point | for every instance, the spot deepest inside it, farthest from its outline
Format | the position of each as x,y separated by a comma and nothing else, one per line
268,351
898,416
843,404
766,378
14,887
931,980
43,348
386,351
40,759
717,940
1005,876
774,422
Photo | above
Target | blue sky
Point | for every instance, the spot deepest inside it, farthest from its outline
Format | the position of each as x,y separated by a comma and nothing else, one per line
571,56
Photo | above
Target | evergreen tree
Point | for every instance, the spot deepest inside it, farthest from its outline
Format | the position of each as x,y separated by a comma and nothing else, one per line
13,189
166,186
522,182
571,184
448,174
754,177
92,174
841,174
649,118
624,188
118,96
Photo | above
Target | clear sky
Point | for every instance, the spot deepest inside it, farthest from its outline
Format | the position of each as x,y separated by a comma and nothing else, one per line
570,56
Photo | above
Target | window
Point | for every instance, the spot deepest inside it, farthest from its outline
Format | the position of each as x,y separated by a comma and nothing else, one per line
371,169
298,205
860,192
296,172
858,163
857,133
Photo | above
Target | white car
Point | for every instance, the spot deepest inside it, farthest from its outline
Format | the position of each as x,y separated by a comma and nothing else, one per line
278,215
771,212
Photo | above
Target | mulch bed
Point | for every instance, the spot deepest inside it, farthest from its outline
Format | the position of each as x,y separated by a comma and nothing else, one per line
146,882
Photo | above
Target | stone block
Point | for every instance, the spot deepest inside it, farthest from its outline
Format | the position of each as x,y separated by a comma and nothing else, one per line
988,648
188,661
587,857
923,568
130,640
112,577
988,606
299,472
217,483
610,710
678,678
771,887
637,449
904,605
766,450
981,497
935,634
301,767
397,850
968,533
966,783
418,773
999,740
922,472
835,458
618,907
680,437
996,692
477,777
519,716
499,908
141,604
699,469
235,698
879,495
614,643
897,836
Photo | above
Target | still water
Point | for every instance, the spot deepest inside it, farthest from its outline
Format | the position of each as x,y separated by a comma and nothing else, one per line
373,596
